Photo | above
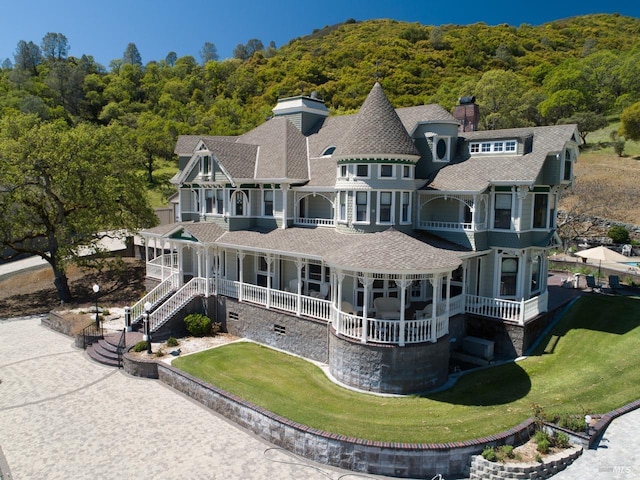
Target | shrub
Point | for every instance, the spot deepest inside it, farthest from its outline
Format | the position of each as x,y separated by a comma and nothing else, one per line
560,440
489,453
544,446
570,422
505,452
159,353
172,342
140,346
618,234
197,324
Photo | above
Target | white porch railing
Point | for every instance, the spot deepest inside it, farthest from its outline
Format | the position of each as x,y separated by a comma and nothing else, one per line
390,331
195,286
317,222
438,225
162,266
155,296
520,312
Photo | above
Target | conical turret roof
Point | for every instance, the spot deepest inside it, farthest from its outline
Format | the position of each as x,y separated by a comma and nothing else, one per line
376,131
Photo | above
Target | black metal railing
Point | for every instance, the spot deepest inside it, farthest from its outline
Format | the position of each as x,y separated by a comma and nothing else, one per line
121,346
90,334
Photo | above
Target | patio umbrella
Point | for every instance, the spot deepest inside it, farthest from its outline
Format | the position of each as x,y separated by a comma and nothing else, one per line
602,254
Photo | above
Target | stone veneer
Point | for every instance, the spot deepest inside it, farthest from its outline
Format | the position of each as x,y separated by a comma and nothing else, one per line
389,369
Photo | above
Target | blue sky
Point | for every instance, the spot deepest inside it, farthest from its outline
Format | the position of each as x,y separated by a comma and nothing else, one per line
104,28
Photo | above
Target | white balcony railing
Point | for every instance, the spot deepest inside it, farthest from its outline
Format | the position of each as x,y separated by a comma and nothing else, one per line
316,222
438,225
515,311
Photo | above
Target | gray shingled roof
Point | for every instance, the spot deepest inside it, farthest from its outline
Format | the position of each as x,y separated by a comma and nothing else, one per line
187,143
376,130
205,232
478,172
283,150
390,250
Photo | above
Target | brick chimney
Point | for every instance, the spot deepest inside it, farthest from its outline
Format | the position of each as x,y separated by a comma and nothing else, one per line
467,113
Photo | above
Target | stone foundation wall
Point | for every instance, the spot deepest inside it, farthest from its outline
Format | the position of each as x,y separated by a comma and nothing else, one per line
298,335
389,369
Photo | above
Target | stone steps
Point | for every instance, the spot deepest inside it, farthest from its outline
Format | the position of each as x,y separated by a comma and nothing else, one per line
105,350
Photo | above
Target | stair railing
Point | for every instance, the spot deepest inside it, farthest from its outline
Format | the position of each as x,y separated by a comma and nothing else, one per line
122,342
90,334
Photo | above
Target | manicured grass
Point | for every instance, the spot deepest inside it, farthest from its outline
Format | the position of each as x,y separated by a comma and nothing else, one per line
587,364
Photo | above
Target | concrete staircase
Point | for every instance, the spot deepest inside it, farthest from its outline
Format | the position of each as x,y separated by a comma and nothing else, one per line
105,350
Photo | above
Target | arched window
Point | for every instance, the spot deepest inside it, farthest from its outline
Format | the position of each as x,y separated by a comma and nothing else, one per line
240,203
328,151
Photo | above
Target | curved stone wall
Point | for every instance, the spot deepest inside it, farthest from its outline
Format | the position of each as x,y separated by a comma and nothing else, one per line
388,368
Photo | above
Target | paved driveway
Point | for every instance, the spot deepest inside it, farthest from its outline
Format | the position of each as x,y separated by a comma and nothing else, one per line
63,416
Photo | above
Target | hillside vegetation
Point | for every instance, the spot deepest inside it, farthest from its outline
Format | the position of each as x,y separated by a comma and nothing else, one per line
583,69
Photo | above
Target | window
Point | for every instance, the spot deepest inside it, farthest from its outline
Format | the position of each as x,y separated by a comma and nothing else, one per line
508,277
267,203
240,203
441,148
385,207
362,171
344,171
219,201
498,146
328,151
535,274
406,171
406,208
502,211
208,201
342,206
540,210
386,171
567,166
362,207
205,166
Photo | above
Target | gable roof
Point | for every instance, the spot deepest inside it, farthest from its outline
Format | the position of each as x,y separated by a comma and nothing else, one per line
376,130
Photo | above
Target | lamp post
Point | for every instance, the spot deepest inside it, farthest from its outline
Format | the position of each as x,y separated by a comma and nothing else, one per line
96,289
587,424
147,326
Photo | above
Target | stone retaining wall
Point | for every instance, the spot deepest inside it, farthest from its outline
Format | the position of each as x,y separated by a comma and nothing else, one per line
482,469
365,456
139,367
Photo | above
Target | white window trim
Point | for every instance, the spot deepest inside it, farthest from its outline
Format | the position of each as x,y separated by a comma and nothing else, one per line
391,220
343,194
347,171
204,173
512,226
411,169
494,147
498,275
246,203
355,171
355,208
447,157
393,171
533,211
408,221
263,202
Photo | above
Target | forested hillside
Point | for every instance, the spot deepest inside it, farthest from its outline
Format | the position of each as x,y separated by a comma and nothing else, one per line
581,69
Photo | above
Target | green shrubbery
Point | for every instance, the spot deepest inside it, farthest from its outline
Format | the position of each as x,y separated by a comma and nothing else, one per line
140,346
198,324
172,342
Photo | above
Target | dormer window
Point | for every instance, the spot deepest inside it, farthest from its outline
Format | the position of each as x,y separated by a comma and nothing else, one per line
494,146
442,148
568,163
328,151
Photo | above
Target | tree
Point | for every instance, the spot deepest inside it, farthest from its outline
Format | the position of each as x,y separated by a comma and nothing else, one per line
618,234
62,187
500,96
55,46
171,58
587,122
27,57
132,55
153,141
208,53
630,122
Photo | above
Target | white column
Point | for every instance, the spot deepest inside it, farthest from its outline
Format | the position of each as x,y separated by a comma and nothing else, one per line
240,256
207,270
299,265
285,199
366,283
269,260
403,295
338,299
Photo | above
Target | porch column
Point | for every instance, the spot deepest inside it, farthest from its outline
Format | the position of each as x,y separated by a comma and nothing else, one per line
269,259
285,199
299,265
402,283
207,270
447,308
240,256
366,282
338,299
434,306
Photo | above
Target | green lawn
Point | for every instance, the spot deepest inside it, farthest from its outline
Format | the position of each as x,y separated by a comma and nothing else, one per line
589,363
